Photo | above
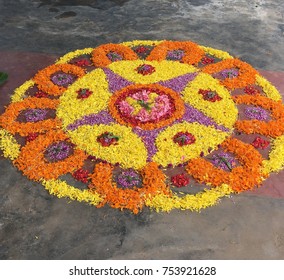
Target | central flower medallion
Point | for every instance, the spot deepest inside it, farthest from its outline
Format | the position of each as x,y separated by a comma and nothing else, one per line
146,106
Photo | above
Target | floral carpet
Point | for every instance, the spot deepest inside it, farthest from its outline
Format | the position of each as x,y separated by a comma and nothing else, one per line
160,124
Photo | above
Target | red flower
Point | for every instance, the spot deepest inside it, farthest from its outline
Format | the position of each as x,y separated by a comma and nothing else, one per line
210,95
93,158
260,143
81,175
141,49
31,136
107,138
83,93
180,180
145,69
251,90
207,60
40,94
184,138
82,62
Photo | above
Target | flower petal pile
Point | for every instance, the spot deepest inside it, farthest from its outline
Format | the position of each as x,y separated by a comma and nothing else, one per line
159,124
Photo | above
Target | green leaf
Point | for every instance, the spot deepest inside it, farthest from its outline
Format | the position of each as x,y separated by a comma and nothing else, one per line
3,77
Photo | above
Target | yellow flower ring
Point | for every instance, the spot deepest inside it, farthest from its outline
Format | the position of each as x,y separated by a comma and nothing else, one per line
162,124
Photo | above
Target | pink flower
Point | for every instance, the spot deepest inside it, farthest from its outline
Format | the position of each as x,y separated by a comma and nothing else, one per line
141,95
143,115
125,108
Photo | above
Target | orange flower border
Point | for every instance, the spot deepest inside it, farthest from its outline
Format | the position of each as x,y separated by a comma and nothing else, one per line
132,199
193,53
178,103
32,163
241,178
99,54
272,128
8,118
42,78
247,74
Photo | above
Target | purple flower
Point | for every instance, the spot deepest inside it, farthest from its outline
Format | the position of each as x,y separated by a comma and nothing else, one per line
35,115
62,79
148,137
102,117
114,56
224,161
179,83
193,115
256,113
115,82
58,151
175,55
129,179
229,73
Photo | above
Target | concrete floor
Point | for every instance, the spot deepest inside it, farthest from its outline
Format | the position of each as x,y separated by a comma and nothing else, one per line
35,225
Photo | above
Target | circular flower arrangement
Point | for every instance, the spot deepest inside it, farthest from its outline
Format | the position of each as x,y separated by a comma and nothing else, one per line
160,124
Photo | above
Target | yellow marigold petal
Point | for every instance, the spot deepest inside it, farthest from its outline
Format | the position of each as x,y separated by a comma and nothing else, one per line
270,91
171,153
9,145
71,108
189,202
71,55
19,93
222,112
130,151
60,189
164,70
276,157
217,53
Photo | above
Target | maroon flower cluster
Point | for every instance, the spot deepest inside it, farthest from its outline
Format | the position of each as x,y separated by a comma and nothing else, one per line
207,60
260,143
107,138
184,138
83,93
180,180
209,95
81,175
145,69
251,90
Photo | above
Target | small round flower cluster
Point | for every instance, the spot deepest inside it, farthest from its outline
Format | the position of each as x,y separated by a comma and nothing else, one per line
210,95
141,49
180,180
81,175
229,73
62,79
258,142
175,55
31,136
58,151
114,56
224,161
107,138
207,60
129,179
41,94
83,93
256,113
35,115
145,69
184,138
82,62
251,90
